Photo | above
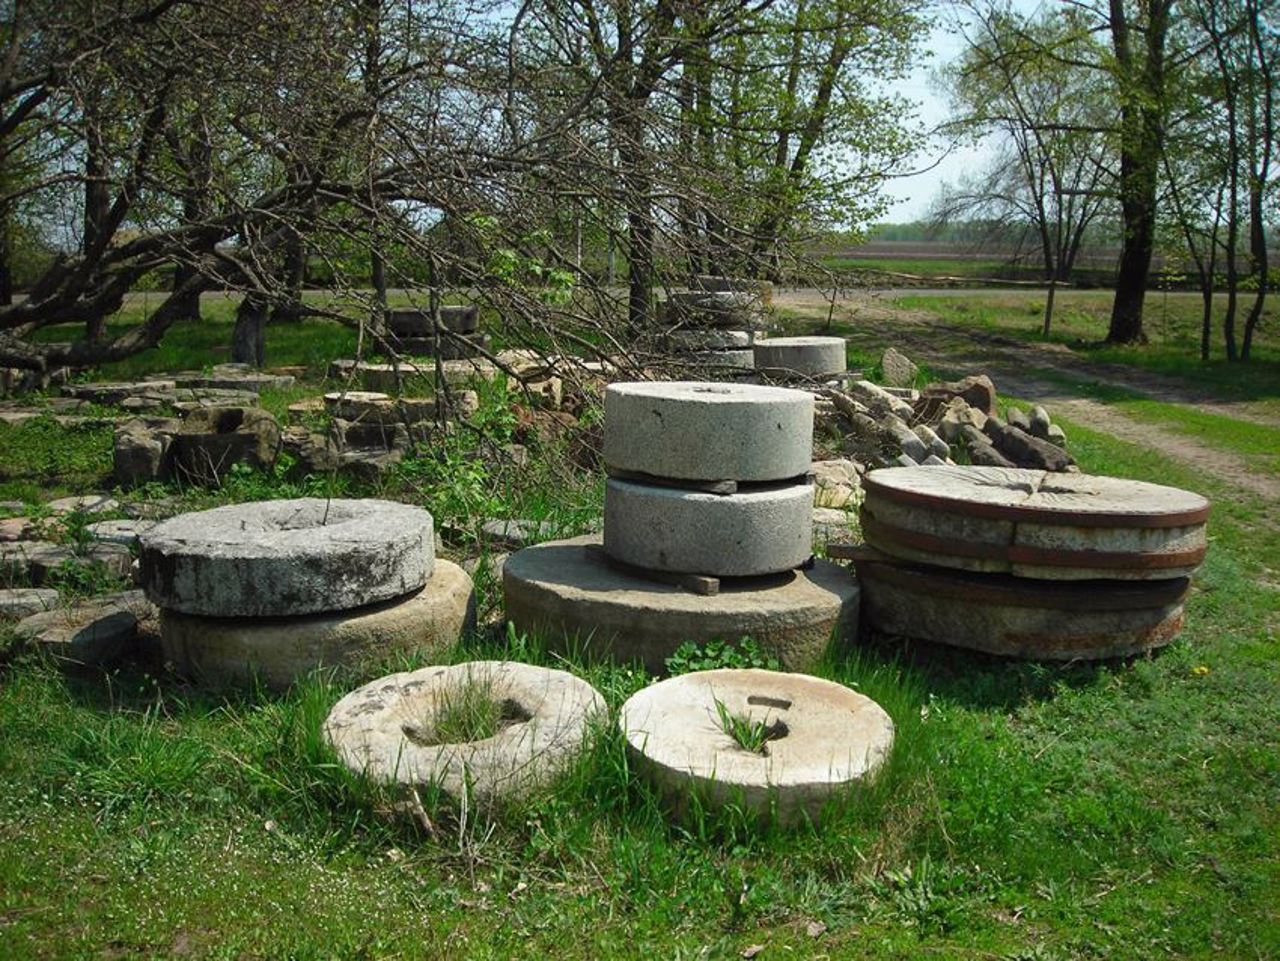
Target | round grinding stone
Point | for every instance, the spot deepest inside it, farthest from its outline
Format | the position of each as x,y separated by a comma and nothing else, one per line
388,730
1017,617
759,531
283,558
1035,524
819,737
691,430
568,593
802,356
280,650
740,359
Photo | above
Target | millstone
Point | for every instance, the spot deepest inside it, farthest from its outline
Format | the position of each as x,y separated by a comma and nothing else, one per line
569,594
691,430
282,558
1017,617
801,356
280,650
387,730
822,737
758,531
742,359
710,339
1035,524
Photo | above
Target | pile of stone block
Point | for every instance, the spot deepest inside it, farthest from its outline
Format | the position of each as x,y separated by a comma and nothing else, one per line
200,448
888,426
276,589
714,323
456,337
1028,563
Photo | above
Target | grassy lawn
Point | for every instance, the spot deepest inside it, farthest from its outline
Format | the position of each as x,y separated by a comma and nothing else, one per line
1172,326
1116,810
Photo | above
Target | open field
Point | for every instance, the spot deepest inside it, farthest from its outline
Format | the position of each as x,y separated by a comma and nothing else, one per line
1115,810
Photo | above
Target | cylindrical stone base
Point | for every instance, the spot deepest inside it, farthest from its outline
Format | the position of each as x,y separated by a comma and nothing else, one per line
801,356
279,650
1015,617
568,593
759,531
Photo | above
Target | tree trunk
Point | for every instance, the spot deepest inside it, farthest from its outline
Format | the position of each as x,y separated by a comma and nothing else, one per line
295,265
1141,141
6,261
249,338
97,208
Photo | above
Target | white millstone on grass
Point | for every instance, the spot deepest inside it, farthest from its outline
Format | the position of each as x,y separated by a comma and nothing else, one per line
92,632
24,601
752,532
284,558
568,594
86,504
278,651
801,356
124,532
386,731
822,738
692,430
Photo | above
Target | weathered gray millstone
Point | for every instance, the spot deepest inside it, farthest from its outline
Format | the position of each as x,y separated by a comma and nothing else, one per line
284,558
801,356
92,632
385,730
1017,617
692,430
757,531
825,738
740,359
566,592
1033,523
710,339
279,650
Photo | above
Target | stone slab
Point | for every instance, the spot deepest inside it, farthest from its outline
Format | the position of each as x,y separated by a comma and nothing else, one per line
1014,617
124,532
289,557
18,602
35,561
579,603
693,430
91,632
824,739
385,731
801,356
752,532
84,504
280,650
413,375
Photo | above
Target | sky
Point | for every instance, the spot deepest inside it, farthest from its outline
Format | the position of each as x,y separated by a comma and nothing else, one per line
913,194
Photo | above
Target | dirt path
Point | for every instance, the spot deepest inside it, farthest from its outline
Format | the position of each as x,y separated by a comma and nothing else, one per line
1013,365
925,334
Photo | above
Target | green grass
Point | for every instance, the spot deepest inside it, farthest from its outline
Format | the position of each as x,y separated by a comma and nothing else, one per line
1172,325
1121,809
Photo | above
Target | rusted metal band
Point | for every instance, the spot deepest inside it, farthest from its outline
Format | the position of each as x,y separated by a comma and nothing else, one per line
1036,515
878,530
1004,589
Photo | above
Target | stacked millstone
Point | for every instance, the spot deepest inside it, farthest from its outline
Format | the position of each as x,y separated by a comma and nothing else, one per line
275,589
715,325
707,533
458,336
1028,563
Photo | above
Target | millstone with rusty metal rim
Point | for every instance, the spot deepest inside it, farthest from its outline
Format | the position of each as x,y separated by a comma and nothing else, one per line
816,737
1016,617
1035,524
387,730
